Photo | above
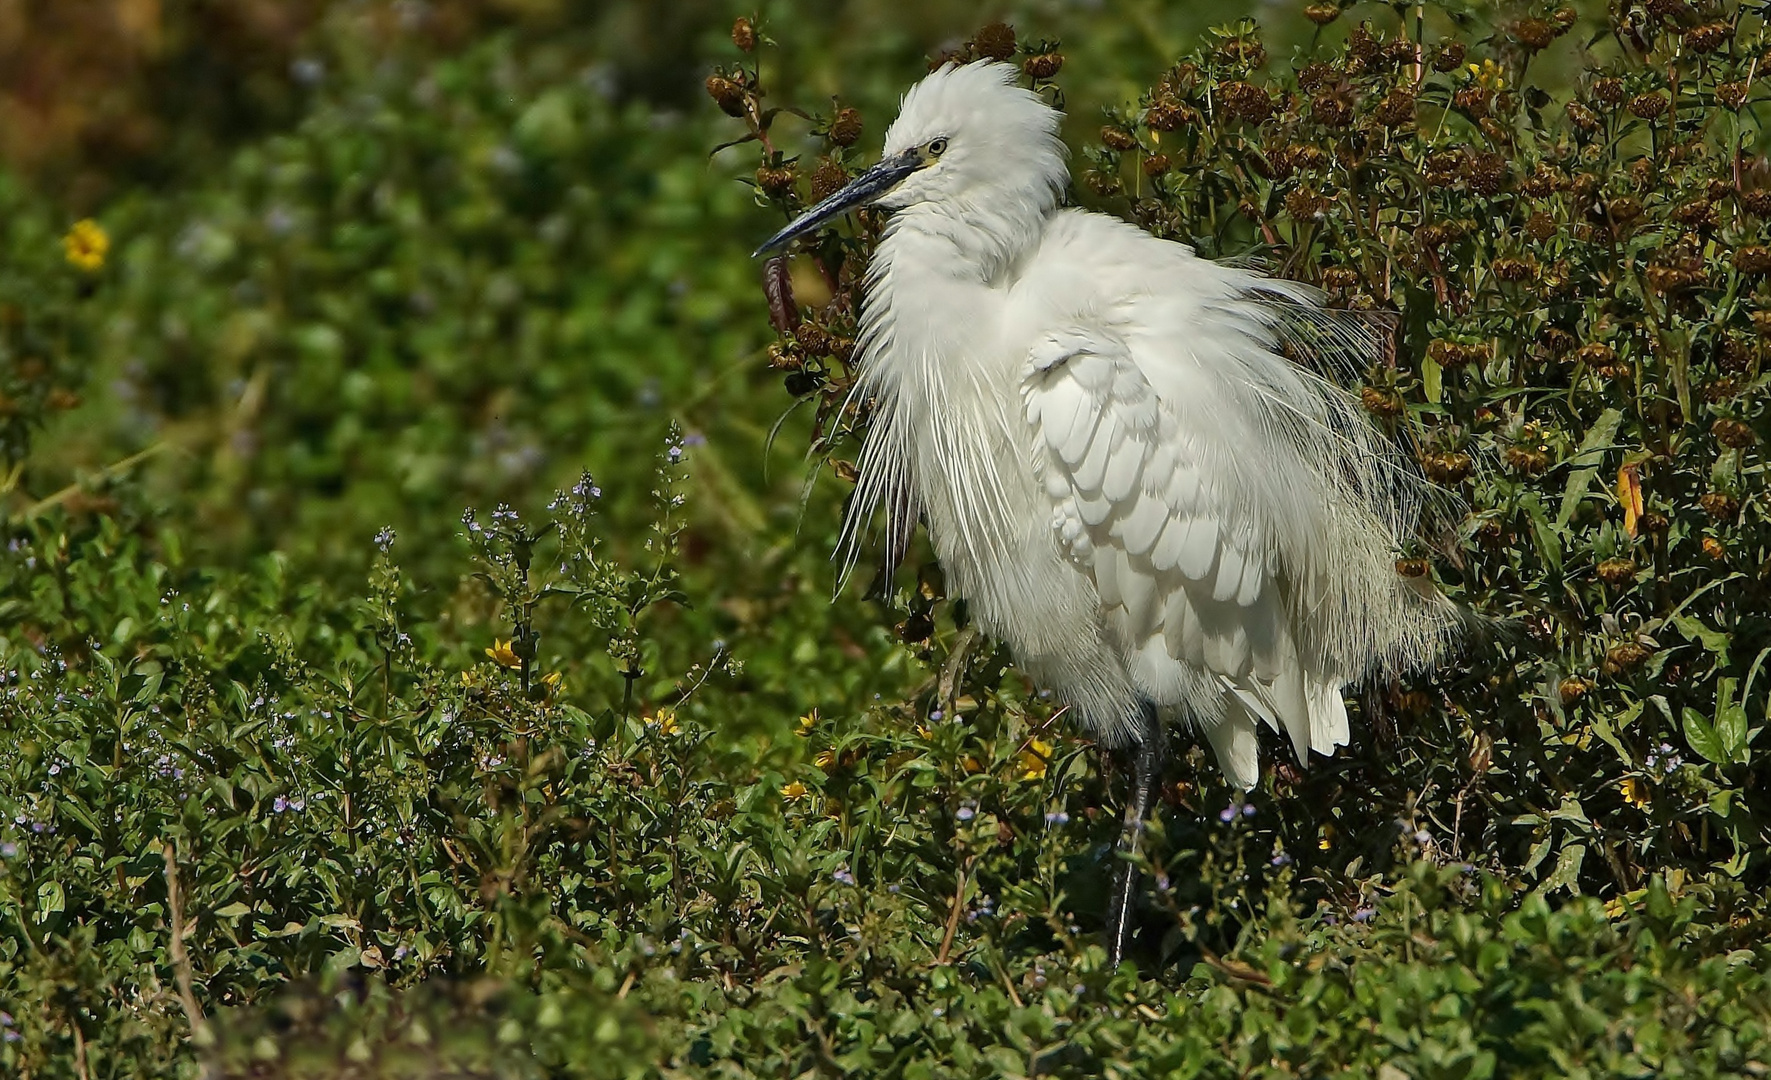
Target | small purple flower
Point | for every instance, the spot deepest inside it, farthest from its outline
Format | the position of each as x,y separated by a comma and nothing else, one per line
279,805
936,715
1161,882
844,877
385,538
1281,859
1248,809
1057,817
966,813
1227,814
5,1019
1363,915
8,850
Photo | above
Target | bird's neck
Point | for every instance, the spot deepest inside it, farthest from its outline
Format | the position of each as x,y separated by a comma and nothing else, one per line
966,241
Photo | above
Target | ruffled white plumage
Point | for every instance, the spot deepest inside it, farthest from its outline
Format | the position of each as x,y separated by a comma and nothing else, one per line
1118,470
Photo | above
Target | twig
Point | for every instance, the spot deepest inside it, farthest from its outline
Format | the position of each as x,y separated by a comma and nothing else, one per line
50,502
181,961
953,916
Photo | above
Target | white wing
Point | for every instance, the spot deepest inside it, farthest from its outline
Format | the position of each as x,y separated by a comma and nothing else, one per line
1193,586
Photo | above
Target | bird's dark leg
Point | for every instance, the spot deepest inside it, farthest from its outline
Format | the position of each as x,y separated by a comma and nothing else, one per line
1147,752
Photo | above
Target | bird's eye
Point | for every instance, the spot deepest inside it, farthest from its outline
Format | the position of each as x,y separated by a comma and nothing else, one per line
937,147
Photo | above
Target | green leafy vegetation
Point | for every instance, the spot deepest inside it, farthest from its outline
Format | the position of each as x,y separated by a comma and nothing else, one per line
352,728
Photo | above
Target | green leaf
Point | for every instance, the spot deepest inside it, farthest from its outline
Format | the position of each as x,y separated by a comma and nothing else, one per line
1702,736
1586,461
1431,379
51,900
1713,641
1566,875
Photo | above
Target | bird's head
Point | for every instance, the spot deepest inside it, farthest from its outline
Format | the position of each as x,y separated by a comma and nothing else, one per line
966,136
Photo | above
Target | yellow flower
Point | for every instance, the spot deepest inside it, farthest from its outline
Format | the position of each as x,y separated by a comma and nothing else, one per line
1326,840
825,760
554,681
794,792
501,654
808,722
1035,758
971,765
1635,790
86,244
664,720
470,679
1488,74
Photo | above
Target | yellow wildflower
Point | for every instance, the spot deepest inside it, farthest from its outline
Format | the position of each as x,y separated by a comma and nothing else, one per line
1326,840
1635,790
86,244
554,681
808,722
1488,74
502,655
1035,758
825,760
972,765
664,720
470,679
794,792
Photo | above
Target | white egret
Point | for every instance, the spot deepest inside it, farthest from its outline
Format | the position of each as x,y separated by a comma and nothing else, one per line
1162,517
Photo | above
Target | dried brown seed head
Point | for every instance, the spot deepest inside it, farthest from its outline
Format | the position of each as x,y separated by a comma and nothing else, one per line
727,94
1709,37
1617,572
1535,34
1116,138
1515,270
1720,505
1155,164
744,34
1450,56
996,41
1397,108
1322,14
776,180
1754,259
1044,66
1167,114
1540,226
845,127
1332,108
1381,402
1572,689
1625,657
1583,118
1608,91
1733,434
1245,102
827,179
1648,106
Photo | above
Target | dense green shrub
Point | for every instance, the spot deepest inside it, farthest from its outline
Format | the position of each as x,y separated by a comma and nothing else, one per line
611,788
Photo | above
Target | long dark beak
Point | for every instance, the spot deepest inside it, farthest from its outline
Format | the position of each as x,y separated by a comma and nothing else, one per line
860,191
